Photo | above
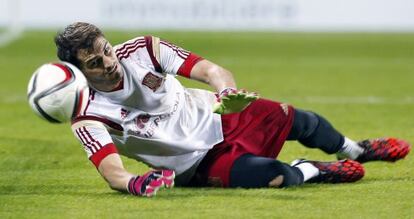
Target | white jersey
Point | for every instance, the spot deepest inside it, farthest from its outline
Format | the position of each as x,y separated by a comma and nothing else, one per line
153,118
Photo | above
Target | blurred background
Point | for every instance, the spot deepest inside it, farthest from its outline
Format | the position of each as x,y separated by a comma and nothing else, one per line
269,15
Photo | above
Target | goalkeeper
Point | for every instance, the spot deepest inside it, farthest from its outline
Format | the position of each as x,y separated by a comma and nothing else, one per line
192,137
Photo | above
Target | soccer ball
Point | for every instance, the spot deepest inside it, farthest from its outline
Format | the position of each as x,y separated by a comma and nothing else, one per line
57,92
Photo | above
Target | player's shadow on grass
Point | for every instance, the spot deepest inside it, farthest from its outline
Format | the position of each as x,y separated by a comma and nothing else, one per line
185,193
163,194
292,193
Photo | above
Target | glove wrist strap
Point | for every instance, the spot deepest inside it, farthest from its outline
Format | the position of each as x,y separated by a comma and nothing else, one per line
131,185
227,90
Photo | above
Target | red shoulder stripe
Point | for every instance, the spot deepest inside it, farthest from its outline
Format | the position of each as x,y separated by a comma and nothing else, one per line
125,51
125,46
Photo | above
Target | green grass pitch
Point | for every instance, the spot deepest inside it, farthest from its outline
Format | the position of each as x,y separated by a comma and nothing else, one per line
363,83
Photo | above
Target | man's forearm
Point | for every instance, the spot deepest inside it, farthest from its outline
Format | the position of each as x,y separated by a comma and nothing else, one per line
220,79
214,75
113,172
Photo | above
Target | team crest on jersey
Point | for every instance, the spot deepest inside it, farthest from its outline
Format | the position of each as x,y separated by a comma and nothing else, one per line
152,81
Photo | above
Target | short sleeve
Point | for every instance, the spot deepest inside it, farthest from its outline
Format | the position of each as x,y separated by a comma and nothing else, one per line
95,139
176,60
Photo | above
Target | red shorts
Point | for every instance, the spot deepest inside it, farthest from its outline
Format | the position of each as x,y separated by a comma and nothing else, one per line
261,129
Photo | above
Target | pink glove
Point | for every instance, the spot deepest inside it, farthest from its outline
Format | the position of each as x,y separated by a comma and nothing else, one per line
149,183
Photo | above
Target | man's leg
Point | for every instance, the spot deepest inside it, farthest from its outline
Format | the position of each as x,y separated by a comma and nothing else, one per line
314,131
250,171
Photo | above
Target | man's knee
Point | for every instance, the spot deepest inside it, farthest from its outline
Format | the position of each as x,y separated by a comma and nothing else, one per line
282,175
304,125
314,131
251,171
277,181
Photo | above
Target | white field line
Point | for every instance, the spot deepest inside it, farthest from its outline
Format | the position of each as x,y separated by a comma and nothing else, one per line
372,100
10,36
12,99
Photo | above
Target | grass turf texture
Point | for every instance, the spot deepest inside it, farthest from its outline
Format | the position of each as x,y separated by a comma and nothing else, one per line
361,82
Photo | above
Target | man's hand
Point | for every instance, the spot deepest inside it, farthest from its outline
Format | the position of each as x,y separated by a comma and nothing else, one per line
231,100
149,183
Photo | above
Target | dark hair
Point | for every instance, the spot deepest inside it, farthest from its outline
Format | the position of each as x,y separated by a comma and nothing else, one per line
79,35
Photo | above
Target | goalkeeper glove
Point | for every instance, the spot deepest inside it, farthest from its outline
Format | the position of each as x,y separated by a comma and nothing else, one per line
231,100
149,183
